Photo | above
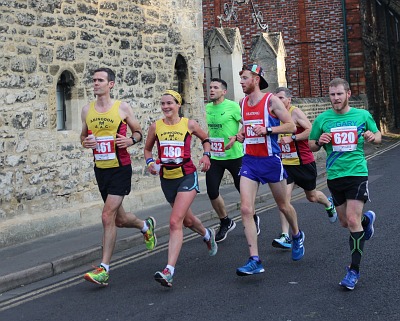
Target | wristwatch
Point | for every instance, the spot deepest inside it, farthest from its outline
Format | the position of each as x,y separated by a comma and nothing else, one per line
293,137
317,143
134,140
269,131
207,154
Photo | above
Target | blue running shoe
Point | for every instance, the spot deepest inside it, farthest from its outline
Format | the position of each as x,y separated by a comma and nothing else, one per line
298,247
369,229
283,242
250,268
350,280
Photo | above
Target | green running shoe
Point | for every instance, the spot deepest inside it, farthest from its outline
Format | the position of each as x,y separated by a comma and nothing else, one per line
150,236
98,276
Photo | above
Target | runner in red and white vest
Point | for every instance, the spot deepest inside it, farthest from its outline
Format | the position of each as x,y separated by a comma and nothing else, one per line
263,118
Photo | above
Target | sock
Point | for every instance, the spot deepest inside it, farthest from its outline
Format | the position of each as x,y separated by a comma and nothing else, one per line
171,269
255,258
106,266
206,236
225,220
145,228
356,242
364,221
296,236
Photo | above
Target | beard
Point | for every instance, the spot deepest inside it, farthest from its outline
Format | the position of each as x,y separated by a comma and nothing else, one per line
249,89
339,107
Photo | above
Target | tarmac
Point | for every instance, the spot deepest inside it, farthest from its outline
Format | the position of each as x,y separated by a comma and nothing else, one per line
52,255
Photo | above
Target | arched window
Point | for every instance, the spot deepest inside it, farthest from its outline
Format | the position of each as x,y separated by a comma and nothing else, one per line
64,93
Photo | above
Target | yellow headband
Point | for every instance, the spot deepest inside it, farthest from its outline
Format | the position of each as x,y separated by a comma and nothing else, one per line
174,94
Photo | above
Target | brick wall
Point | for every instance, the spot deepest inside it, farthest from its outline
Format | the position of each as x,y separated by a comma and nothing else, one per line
312,33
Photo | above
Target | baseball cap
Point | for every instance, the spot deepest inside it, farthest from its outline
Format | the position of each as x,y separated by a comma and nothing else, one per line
260,72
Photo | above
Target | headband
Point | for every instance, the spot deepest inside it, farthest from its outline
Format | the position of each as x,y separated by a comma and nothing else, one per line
174,94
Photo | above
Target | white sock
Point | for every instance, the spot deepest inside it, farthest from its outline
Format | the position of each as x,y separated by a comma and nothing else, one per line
171,269
106,266
206,236
145,228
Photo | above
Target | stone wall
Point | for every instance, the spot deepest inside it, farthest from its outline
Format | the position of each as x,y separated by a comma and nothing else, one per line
46,178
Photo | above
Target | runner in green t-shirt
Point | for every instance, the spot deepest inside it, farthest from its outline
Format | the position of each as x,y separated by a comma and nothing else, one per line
342,131
223,119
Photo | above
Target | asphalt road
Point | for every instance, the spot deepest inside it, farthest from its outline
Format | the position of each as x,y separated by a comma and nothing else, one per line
207,288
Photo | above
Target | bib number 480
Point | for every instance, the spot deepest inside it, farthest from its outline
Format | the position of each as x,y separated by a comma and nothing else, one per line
172,152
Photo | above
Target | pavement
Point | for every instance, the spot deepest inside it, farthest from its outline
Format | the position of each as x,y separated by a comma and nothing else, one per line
52,255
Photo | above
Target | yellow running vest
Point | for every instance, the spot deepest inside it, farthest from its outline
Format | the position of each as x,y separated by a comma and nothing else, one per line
105,127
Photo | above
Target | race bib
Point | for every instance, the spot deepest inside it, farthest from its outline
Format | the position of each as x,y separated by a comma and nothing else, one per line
251,137
217,146
172,151
289,150
105,148
344,139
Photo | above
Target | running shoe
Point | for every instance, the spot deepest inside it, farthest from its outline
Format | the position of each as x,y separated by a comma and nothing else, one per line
283,242
257,221
164,277
211,244
98,276
369,229
350,280
251,267
331,211
298,247
150,236
224,229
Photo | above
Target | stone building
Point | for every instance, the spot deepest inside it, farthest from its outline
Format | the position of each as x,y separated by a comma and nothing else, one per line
358,40
48,50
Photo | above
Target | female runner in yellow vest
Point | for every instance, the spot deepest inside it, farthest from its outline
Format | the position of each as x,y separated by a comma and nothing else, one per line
178,176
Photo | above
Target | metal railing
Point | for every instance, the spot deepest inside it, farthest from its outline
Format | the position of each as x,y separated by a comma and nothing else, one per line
315,83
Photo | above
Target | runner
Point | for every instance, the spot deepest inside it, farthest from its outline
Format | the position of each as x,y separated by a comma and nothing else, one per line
172,135
299,163
109,121
342,131
264,117
223,119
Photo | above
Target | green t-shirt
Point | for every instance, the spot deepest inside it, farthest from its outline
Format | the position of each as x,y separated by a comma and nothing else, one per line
223,122
345,152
